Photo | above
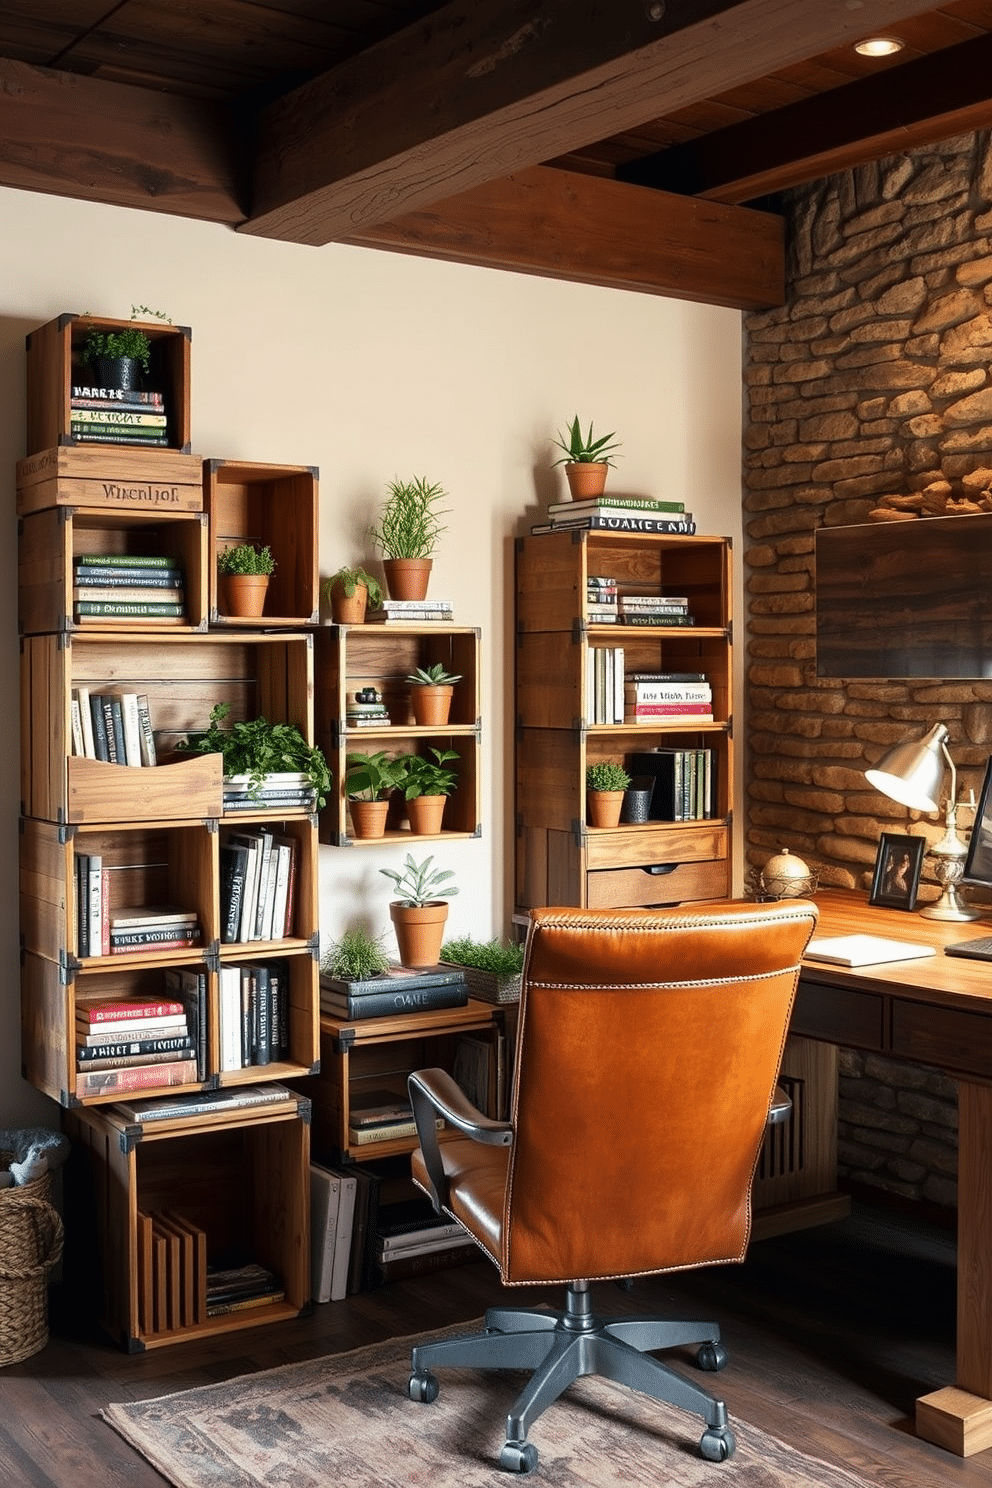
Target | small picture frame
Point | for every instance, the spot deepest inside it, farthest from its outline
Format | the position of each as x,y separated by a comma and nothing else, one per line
897,871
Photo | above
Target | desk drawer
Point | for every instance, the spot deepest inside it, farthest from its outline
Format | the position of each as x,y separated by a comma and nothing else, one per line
614,888
838,1015
955,1040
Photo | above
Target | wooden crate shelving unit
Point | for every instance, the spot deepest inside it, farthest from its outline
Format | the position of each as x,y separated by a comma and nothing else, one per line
271,506
351,657
559,858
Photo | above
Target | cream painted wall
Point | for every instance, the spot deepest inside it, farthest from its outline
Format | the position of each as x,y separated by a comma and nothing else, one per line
372,365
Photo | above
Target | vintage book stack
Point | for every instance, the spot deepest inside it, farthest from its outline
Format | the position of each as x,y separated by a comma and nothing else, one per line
684,782
399,989
659,697
254,1013
113,726
366,710
655,609
602,607
258,870
135,1043
618,514
409,611
123,585
284,790
103,930
118,416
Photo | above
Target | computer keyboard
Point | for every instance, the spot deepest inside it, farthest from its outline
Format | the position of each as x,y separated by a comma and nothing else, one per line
979,950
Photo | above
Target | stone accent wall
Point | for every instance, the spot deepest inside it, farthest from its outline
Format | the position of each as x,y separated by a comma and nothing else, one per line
871,382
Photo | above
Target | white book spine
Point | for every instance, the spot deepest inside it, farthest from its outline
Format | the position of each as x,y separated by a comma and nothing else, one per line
95,908
132,727
325,1200
342,1240
148,753
75,718
86,722
230,1017
249,897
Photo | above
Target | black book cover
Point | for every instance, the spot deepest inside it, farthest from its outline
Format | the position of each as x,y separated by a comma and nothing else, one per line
100,743
261,1016
233,860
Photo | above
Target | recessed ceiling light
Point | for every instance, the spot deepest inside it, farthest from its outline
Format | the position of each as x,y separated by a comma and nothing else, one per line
879,46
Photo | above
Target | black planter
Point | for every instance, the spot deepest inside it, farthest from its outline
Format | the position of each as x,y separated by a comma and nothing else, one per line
117,372
637,799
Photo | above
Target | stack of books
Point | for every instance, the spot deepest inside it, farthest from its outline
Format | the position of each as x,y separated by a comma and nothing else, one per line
400,989
203,1103
366,710
381,1116
406,1232
658,697
254,1014
236,1288
102,931
283,790
133,1044
117,416
112,726
411,611
685,783
144,587
655,609
257,885
601,599
618,514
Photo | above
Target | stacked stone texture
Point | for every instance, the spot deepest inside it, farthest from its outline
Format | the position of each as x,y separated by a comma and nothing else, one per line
871,384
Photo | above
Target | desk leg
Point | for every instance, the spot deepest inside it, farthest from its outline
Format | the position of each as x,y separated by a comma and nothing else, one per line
960,1417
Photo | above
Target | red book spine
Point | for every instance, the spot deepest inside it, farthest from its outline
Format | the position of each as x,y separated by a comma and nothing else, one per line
136,1077
673,710
107,1012
172,943
105,912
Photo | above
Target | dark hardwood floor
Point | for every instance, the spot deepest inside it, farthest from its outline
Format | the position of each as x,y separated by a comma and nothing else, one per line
832,1333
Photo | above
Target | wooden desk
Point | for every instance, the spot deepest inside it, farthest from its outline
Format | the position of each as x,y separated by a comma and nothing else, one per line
935,1011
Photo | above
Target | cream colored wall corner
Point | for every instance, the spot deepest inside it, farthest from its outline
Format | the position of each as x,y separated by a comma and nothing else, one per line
372,365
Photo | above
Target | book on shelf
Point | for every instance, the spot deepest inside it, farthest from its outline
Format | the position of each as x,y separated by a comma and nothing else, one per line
427,1242
685,782
127,593
107,576
132,1009
121,1028
275,780
651,601
392,1003
373,1107
204,1102
114,727
116,397
367,1195
325,1199
144,609
139,1077
621,504
666,676
126,941
341,1260
413,1222
658,525
152,916
90,435
246,1304
189,987
402,1267
107,416
389,1131
656,607
410,617
130,560
118,1048
272,800
645,693
408,606
644,712
395,978
635,617
130,1061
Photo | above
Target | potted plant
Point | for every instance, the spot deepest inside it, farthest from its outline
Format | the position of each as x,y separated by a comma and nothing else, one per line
586,460
426,785
358,956
606,782
493,968
256,750
409,527
420,910
431,691
349,592
116,356
369,780
245,571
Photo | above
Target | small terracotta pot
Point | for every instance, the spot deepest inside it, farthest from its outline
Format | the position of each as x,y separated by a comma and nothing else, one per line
431,705
407,578
349,609
243,595
425,814
419,931
368,818
586,479
603,808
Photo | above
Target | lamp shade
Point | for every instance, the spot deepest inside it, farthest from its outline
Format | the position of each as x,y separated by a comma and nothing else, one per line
913,774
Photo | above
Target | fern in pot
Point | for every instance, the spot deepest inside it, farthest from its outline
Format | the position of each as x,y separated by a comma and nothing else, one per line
407,533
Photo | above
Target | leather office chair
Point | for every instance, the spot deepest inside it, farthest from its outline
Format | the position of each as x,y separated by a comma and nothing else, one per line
648,1050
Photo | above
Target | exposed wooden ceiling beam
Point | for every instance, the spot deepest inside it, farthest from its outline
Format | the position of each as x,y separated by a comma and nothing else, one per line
108,142
483,88
924,100
568,226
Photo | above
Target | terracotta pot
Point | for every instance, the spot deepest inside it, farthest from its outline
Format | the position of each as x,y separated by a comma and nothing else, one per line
349,609
419,931
586,479
368,818
425,814
603,808
431,705
243,595
407,578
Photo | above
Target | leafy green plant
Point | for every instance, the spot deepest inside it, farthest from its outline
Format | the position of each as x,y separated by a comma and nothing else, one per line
423,777
582,449
129,342
432,676
348,580
501,957
137,310
355,957
410,522
419,884
608,775
246,558
370,777
257,748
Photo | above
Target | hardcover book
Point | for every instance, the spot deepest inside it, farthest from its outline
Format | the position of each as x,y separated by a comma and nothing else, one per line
392,1004
395,978
618,524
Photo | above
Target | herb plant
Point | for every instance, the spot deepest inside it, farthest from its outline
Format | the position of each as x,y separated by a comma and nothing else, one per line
502,958
257,748
370,777
582,449
609,775
419,884
356,957
432,676
129,342
422,777
348,580
410,523
246,558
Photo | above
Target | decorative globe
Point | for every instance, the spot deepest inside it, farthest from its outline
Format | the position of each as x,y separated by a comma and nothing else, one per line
786,875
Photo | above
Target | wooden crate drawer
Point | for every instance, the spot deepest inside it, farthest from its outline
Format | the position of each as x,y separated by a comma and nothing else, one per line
639,887
641,846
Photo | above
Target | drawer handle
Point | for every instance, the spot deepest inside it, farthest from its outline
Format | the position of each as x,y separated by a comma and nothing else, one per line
658,870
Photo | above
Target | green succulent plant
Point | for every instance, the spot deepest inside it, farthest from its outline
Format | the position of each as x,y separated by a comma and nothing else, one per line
608,775
432,676
419,883
582,449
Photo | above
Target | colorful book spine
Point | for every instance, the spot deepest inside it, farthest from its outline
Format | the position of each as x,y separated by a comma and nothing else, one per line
125,1048
138,1077
622,504
117,397
130,560
91,435
161,609
673,710
107,1012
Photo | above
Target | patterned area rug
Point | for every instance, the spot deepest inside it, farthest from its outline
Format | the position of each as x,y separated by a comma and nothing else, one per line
347,1419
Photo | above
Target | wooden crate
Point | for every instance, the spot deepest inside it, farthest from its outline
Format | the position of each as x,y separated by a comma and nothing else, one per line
110,477
51,540
271,506
242,1180
55,365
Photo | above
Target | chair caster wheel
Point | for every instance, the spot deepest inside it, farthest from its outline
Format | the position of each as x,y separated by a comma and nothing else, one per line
518,1457
711,1356
717,1444
423,1387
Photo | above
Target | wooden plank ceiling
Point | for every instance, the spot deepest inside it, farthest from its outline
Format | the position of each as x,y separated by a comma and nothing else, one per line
641,143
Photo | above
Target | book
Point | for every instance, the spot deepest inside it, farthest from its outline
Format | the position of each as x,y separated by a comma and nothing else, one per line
405,606
373,1107
864,950
103,1061
385,1004
146,734
647,711
610,504
140,1077
129,940
289,800
233,866
146,608
130,560
672,525
343,1236
132,727
94,903
90,435
397,1235
672,621
114,720
110,417
396,978
106,576
175,1044
421,617
190,988
389,1131
151,916
325,1198
231,1037
140,398
86,721
425,1242
128,593
652,601
666,676
130,1009
402,1267
668,692
109,1033
168,1108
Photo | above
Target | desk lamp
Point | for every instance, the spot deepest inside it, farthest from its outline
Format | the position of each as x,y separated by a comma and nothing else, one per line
913,775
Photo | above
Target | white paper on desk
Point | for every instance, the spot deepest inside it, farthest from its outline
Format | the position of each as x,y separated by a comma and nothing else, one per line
864,950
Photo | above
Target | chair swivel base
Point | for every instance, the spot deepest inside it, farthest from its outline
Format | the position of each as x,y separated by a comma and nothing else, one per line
561,1347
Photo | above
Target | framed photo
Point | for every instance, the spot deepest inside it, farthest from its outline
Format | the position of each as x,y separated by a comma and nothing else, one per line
897,871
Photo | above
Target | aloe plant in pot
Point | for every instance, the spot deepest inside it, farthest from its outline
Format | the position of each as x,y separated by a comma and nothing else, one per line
432,689
407,534
586,459
420,910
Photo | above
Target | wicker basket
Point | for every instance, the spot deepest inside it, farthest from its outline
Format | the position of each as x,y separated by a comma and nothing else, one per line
31,1238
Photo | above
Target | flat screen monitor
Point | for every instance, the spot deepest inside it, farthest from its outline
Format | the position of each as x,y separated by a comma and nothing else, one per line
978,863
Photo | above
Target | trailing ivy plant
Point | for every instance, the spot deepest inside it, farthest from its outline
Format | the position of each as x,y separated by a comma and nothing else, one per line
257,748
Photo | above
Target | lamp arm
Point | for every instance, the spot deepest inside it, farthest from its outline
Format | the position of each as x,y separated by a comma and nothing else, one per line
951,819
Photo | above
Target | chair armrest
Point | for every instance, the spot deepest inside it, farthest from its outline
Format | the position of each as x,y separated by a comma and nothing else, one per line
781,1107
434,1093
